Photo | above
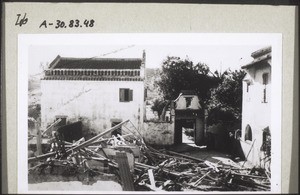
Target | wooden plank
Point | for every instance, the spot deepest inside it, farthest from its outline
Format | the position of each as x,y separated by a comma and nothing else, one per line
151,178
124,170
52,125
144,166
185,156
43,156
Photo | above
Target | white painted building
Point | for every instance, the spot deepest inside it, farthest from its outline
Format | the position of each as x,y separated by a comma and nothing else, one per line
100,92
188,114
256,111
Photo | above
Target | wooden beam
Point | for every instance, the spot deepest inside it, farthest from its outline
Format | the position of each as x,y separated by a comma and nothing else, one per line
125,174
151,178
52,125
40,157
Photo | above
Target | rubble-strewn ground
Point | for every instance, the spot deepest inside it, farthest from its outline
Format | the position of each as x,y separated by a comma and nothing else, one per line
137,166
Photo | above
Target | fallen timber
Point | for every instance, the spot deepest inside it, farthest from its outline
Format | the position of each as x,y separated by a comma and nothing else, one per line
90,141
154,170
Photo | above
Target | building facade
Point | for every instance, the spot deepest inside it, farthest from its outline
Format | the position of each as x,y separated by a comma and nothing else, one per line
256,110
100,92
188,114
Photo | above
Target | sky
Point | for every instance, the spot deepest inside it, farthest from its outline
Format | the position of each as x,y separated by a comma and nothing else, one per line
217,57
220,51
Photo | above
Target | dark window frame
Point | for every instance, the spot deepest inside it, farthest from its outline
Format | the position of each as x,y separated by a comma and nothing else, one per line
125,95
265,78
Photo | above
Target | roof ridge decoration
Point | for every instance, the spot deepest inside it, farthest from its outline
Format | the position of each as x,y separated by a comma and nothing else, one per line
95,63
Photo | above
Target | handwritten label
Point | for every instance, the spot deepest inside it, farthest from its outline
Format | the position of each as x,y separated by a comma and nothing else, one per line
21,21
68,24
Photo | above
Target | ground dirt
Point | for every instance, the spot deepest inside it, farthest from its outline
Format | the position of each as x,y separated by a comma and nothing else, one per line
75,186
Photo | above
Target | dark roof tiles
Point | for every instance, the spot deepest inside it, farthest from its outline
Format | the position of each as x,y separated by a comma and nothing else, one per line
95,63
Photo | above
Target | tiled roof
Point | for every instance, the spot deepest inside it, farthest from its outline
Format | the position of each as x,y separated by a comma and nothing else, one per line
259,60
95,63
260,57
188,92
261,52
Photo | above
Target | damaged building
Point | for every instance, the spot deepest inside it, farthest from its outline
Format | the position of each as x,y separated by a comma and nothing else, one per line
105,96
256,113
99,92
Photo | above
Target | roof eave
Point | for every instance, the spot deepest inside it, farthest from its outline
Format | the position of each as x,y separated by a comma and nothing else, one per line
54,62
256,61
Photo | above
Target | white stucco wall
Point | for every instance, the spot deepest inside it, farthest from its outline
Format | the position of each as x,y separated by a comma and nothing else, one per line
181,102
254,112
97,102
158,133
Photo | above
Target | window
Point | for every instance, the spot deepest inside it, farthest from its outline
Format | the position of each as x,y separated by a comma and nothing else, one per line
248,86
248,133
188,101
265,77
126,95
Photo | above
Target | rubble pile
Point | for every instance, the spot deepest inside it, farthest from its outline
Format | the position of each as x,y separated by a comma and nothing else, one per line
140,167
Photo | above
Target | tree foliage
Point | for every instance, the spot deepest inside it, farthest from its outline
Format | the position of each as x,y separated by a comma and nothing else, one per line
158,106
178,74
219,92
227,97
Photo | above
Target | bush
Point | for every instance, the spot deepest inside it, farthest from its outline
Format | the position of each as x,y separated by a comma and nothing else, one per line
34,111
189,132
158,106
217,115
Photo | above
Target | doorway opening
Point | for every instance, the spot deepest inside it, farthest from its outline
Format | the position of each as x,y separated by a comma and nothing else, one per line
116,131
185,131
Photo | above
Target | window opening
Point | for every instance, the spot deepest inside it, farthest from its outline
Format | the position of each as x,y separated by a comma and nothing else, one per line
265,82
248,133
125,95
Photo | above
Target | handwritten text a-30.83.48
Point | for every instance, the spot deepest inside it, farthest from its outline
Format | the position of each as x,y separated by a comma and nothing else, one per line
68,24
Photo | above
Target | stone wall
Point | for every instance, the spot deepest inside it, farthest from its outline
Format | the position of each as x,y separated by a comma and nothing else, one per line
158,133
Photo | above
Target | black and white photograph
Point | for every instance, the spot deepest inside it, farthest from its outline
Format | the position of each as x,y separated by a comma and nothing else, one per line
157,112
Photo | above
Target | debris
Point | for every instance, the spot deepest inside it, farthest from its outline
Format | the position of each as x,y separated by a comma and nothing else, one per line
140,167
249,152
50,128
124,170
185,156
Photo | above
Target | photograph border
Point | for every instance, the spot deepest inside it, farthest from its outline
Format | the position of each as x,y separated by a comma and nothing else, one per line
257,17
156,39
